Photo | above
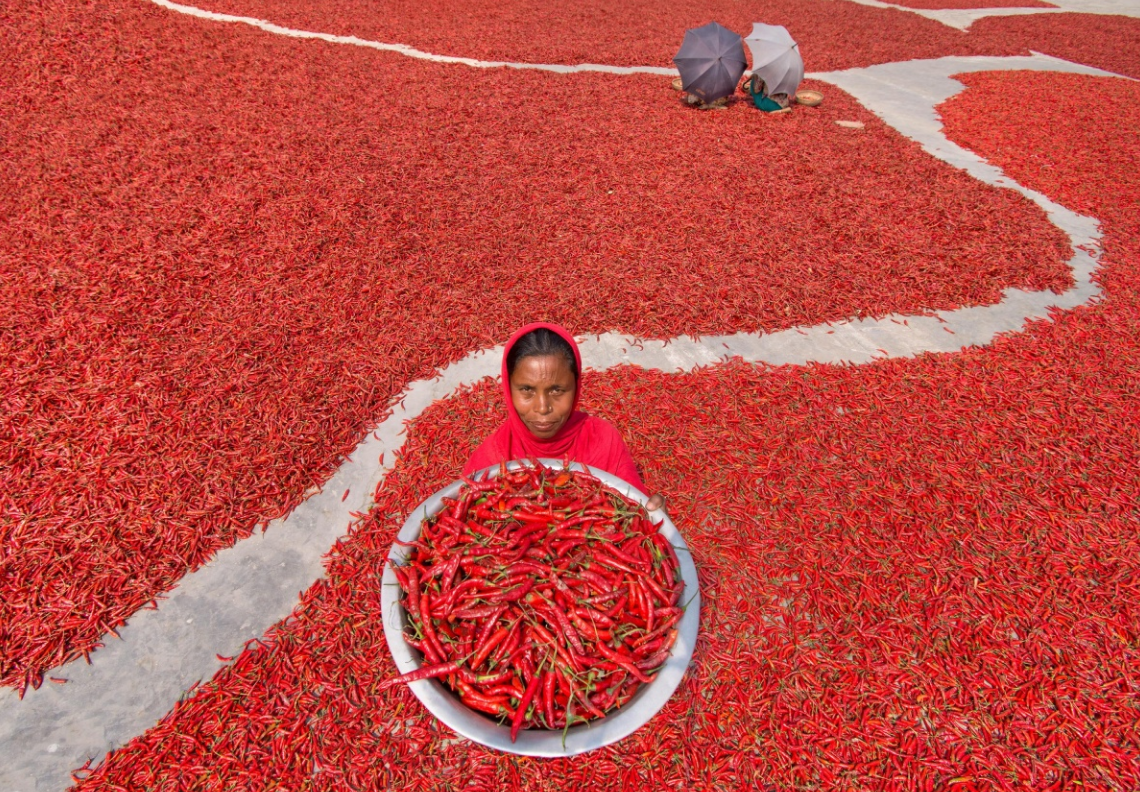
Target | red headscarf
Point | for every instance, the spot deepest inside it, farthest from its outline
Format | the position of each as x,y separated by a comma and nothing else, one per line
583,438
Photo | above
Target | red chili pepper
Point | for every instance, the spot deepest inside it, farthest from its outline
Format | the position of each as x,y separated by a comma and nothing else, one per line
512,690
601,582
476,612
431,640
426,672
623,660
591,615
489,645
608,560
462,504
660,630
618,606
548,685
520,713
608,596
492,705
514,594
489,485
654,589
591,631
509,644
412,586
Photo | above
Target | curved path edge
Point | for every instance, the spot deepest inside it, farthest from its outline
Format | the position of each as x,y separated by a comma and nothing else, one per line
963,18
404,49
245,589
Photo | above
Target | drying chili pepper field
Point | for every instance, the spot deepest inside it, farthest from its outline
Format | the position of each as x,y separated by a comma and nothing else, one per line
838,35
229,246
941,4
1107,42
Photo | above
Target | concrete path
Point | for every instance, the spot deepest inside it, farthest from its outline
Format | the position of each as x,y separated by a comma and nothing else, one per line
133,682
962,18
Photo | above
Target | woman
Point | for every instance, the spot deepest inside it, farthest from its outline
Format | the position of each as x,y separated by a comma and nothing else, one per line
541,367
756,88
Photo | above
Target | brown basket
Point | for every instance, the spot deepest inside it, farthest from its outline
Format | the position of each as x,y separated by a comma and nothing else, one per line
809,98
677,84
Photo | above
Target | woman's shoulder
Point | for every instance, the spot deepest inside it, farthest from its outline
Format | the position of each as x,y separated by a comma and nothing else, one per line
603,434
599,426
596,422
610,452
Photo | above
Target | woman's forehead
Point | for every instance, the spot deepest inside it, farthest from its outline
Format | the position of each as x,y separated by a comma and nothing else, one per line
542,368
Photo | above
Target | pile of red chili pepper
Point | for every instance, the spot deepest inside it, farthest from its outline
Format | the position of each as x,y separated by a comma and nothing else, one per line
954,4
1107,42
541,597
832,35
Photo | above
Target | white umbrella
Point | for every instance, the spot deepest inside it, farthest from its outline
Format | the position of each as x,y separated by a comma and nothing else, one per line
776,58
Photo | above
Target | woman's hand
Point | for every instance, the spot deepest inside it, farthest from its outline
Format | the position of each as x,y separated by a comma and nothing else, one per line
656,502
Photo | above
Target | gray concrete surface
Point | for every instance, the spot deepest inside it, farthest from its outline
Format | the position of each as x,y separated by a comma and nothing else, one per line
962,18
133,682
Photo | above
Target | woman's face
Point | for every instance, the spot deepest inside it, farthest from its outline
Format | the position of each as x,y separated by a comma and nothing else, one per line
542,390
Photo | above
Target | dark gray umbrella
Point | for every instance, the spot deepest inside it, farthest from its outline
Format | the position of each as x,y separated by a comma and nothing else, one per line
711,60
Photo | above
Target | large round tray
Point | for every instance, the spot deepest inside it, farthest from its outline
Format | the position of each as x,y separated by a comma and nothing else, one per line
442,703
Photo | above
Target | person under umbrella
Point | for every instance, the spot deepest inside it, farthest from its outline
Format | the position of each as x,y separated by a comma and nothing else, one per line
711,61
777,67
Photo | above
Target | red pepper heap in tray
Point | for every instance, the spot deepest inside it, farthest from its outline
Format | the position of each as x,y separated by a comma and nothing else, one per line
541,597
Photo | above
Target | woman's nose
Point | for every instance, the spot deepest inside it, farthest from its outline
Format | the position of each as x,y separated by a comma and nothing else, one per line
545,404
